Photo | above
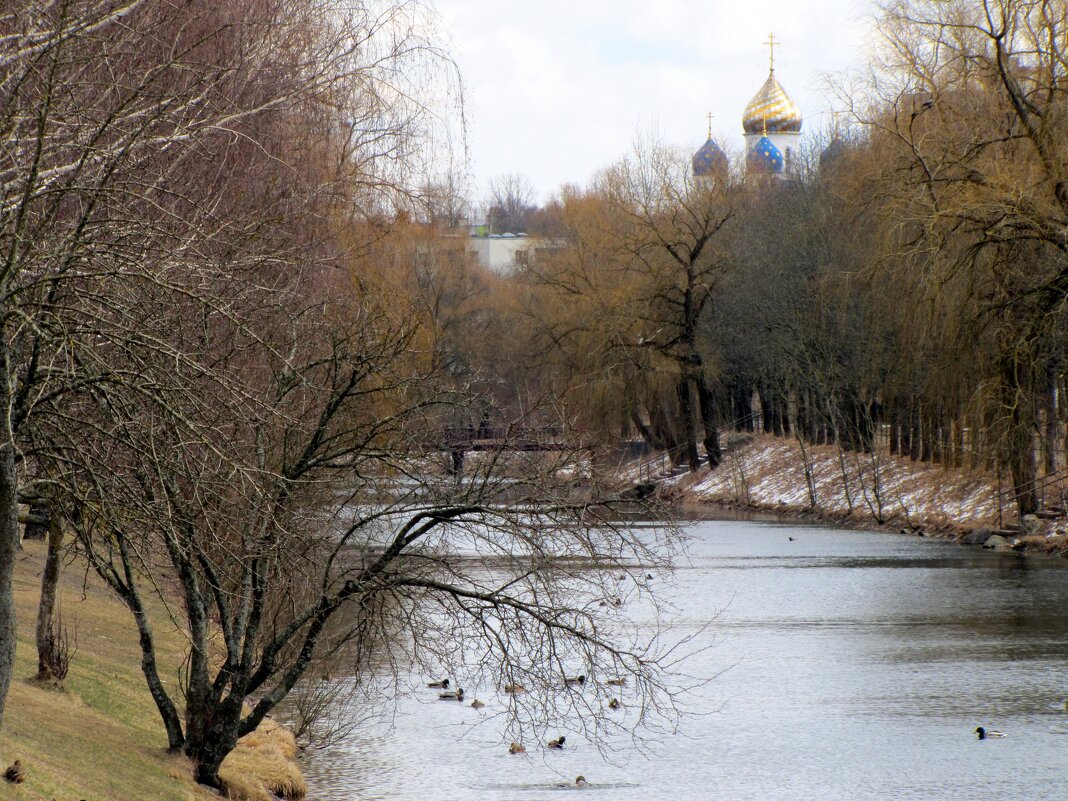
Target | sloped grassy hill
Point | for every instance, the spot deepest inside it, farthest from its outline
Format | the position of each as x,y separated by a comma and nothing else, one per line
99,738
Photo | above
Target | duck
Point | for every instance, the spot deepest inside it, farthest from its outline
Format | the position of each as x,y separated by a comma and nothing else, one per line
476,704
613,703
558,742
580,781
984,734
516,748
617,682
571,681
458,695
514,688
15,774
439,685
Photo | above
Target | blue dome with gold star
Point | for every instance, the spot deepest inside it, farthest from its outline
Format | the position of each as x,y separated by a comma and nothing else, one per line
708,159
765,157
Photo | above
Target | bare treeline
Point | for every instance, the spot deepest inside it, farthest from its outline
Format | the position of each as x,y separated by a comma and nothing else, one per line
221,369
904,286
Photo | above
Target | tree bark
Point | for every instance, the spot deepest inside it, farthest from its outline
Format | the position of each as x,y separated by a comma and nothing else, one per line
46,643
212,736
707,404
9,531
127,590
1021,460
9,544
915,431
1050,438
689,424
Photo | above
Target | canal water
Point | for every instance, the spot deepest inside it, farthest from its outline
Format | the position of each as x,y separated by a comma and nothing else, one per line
849,665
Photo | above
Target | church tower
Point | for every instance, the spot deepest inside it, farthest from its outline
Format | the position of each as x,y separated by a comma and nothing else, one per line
772,125
709,160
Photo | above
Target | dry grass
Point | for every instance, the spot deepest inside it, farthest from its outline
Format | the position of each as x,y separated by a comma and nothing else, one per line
262,765
100,737
1053,542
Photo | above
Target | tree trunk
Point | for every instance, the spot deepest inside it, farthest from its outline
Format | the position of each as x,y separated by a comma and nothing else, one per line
707,405
1050,439
926,438
689,424
648,433
1017,395
9,544
46,641
895,428
800,421
662,428
127,590
915,432
1021,459
9,532
213,734
1022,467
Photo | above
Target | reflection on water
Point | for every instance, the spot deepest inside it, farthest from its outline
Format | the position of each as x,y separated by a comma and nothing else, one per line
854,665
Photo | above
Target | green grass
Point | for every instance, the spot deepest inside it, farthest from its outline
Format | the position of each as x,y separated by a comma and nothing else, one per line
100,738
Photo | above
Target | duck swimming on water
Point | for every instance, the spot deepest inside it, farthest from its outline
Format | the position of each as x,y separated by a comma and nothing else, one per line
458,695
985,734
558,742
580,781
439,685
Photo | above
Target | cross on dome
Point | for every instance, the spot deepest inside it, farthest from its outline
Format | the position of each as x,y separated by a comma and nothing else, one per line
771,50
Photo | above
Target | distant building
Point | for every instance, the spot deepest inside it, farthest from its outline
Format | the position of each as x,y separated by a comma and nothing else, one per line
771,125
502,253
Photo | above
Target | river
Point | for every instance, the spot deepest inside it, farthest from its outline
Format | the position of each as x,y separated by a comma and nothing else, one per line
851,665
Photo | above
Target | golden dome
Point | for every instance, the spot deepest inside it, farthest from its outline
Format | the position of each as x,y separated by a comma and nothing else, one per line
773,107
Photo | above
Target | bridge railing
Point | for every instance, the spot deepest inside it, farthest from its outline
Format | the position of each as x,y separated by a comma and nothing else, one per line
460,436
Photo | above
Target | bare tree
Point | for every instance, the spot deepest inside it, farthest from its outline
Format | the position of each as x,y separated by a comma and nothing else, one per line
967,108
313,523
512,199
673,238
131,134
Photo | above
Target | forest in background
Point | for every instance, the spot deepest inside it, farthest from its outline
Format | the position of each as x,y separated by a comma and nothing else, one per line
904,284
239,316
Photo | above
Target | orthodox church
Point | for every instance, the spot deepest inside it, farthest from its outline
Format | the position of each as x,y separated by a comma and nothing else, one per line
772,128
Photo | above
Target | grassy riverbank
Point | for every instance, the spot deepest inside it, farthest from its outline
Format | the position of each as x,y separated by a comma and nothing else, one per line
769,473
100,738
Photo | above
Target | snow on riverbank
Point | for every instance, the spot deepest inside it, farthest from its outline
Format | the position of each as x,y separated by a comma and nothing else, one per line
767,472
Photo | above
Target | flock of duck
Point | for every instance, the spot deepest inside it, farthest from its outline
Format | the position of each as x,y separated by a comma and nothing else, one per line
447,694
613,703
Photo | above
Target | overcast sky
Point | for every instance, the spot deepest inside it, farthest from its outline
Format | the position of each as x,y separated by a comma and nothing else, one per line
559,88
